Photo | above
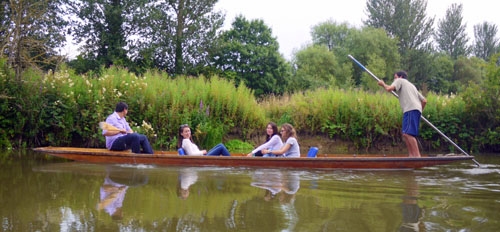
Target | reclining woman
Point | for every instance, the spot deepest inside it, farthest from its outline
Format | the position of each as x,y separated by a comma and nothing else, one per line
185,142
273,140
291,147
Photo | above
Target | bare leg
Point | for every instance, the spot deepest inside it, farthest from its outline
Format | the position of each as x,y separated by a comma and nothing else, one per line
411,144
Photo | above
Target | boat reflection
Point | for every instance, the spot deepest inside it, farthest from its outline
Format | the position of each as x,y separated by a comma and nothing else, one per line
411,212
187,177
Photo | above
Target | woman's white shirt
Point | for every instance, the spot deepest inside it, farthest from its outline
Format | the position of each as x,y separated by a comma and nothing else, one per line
275,143
190,148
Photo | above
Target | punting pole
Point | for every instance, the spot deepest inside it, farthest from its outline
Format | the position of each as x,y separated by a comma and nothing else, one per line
422,117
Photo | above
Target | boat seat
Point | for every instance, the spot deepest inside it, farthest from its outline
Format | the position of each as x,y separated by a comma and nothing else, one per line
313,151
181,151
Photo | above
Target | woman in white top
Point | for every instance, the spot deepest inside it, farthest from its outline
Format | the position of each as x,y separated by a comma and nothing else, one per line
186,142
290,148
273,140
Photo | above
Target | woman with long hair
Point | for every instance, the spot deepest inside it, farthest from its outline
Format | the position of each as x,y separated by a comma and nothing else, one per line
185,142
291,147
273,140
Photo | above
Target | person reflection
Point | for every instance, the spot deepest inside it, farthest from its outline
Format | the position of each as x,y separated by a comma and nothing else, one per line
187,177
269,180
111,197
276,182
281,185
291,184
410,209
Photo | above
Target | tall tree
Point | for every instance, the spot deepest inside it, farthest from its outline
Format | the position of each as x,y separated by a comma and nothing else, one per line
31,34
176,35
486,40
451,36
249,53
101,27
403,19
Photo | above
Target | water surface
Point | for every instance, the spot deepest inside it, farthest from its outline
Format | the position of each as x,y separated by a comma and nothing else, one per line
40,194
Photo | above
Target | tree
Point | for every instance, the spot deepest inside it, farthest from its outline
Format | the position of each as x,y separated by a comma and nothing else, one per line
406,21
441,78
30,34
331,34
468,70
379,53
486,40
450,35
314,67
366,45
249,54
176,35
402,19
102,27
483,106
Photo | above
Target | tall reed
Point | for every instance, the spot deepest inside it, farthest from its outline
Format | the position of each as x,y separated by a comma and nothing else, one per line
61,108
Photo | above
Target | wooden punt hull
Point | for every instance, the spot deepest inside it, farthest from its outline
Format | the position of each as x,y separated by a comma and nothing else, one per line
97,155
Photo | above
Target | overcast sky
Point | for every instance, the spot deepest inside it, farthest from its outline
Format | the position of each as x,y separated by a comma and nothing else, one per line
291,21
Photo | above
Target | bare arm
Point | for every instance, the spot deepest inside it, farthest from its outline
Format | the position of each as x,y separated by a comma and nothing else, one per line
281,151
388,88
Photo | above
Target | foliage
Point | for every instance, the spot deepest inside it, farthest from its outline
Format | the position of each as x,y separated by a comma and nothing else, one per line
468,70
249,53
376,51
486,40
351,115
442,113
440,79
331,34
451,35
482,105
62,108
238,146
405,20
176,36
31,31
367,45
99,25
314,67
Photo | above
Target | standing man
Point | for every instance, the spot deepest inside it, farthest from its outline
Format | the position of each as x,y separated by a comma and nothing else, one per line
125,138
412,103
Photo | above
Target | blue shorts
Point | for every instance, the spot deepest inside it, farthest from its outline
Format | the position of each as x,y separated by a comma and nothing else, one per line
411,122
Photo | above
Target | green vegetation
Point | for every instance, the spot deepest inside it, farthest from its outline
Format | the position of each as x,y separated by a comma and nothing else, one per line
63,108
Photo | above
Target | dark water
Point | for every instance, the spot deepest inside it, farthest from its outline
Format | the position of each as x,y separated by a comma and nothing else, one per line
55,195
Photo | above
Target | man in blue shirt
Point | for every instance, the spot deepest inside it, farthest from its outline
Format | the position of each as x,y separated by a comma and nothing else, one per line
124,138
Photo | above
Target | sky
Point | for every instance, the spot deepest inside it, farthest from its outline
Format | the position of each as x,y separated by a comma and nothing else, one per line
291,20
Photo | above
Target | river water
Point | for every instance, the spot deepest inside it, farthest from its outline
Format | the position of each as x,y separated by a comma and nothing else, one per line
41,193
